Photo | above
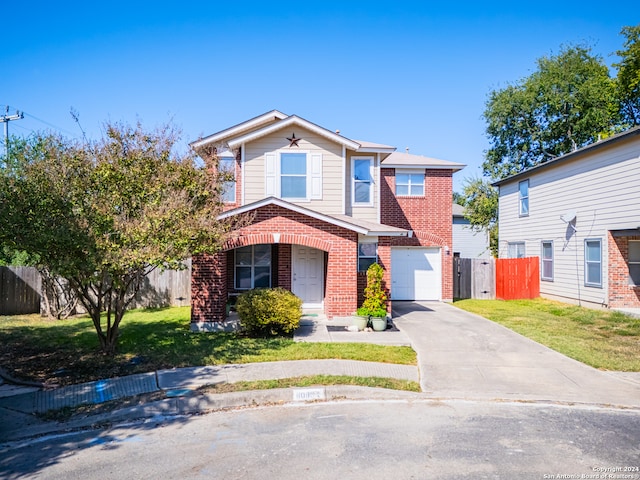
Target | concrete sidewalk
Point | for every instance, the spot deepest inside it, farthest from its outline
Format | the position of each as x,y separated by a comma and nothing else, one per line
462,355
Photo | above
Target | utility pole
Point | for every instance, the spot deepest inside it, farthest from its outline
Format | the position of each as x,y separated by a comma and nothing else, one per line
6,118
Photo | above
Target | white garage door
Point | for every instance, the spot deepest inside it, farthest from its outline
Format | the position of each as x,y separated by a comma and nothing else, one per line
416,274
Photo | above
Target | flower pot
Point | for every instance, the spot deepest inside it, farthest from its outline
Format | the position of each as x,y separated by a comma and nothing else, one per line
379,324
360,321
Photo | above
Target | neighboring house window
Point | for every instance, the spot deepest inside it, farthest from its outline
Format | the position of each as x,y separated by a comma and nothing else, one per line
293,175
409,184
547,260
523,188
515,250
634,262
228,165
362,185
253,266
593,262
367,255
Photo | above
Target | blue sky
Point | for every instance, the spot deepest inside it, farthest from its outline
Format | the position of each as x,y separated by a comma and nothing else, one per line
405,73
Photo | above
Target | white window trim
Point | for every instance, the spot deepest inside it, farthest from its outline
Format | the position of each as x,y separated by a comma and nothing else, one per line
524,245
353,181
521,198
410,172
542,261
252,266
229,155
586,283
273,175
629,262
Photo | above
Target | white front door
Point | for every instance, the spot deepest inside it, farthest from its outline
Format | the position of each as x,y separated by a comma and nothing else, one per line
308,275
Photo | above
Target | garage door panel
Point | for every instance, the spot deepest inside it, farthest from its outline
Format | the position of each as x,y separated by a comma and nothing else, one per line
416,274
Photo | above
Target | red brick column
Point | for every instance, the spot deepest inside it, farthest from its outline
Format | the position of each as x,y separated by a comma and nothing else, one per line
208,289
384,259
284,266
341,298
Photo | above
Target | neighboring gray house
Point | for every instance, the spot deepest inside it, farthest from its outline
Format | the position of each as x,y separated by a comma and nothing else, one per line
467,242
580,213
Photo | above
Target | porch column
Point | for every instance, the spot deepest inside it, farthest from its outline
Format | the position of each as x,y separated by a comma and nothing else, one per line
208,291
384,259
341,298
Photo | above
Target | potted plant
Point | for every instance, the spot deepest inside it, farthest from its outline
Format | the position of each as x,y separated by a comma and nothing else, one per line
375,299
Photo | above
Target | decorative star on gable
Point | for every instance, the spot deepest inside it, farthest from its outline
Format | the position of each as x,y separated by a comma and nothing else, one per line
293,141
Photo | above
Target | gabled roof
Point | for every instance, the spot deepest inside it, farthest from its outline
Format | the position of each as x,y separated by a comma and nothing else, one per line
607,142
407,160
239,129
355,225
457,210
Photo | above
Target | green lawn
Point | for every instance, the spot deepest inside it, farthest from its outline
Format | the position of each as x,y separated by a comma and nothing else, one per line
66,351
604,339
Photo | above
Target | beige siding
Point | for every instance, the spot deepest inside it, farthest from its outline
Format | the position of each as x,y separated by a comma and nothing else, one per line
254,165
369,213
603,188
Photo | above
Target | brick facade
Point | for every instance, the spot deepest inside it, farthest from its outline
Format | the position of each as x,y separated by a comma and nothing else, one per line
428,216
621,294
276,225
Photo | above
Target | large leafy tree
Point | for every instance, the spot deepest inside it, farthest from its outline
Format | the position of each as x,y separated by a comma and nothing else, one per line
628,78
564,105
104,214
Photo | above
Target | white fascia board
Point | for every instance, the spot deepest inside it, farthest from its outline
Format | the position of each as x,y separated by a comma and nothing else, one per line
455,167
294,208
376,150
290,121
241,127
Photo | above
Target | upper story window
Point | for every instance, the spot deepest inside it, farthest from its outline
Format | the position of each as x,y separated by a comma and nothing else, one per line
294,175
409,184
523,188
362,180
227,165
593,262
515,250
634,262
547,260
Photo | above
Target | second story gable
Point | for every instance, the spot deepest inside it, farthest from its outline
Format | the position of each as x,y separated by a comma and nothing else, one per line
288,157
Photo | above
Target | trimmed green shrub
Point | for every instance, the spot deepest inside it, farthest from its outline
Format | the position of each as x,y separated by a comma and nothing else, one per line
267,312
375,299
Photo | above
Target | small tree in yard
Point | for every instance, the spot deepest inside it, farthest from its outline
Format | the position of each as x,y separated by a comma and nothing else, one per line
103,215
375,299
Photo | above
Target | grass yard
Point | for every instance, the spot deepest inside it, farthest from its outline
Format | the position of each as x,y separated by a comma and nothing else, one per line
604,339
65,352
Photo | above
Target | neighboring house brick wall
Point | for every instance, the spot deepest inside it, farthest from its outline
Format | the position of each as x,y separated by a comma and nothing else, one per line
621,293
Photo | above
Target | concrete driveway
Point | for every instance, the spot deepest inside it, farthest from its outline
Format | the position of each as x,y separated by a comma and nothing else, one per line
462,355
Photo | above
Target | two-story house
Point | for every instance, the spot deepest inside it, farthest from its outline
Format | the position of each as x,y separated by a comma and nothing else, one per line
580,213
323,208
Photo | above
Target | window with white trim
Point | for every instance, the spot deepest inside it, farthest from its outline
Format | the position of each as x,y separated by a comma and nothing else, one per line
523,194
293,175
409,184
593,262
634,262
362,180
546,258
227,165
367,255
252,267
515,250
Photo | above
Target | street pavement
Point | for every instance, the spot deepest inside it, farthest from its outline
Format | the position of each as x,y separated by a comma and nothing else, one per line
460,356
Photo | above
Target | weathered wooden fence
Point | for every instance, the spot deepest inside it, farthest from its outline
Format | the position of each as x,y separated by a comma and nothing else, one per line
474,278
19,290
21,287
517,278
505,278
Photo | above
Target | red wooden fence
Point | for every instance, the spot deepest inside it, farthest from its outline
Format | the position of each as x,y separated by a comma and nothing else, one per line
517,278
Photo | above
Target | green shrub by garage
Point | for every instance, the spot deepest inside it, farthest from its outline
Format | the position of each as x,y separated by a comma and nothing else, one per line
267,312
